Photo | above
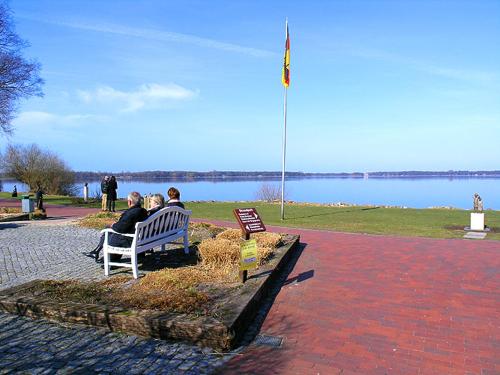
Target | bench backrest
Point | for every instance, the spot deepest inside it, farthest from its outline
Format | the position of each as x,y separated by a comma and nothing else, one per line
165,223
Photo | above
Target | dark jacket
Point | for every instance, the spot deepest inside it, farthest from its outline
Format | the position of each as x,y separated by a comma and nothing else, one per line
39,194
154,210
104,186
112,186
126,224
175,204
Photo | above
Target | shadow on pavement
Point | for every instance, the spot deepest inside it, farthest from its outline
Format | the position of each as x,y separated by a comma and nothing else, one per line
10,225
267,303
301,277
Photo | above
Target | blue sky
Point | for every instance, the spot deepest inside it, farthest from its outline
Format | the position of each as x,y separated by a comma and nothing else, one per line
196,85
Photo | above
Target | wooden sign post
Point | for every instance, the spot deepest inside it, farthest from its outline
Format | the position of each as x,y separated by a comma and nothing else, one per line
250,222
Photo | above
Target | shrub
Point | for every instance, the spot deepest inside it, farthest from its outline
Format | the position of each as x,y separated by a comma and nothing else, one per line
268,193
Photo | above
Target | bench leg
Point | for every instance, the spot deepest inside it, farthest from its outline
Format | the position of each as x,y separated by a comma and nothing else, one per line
106,262
133,258
186,244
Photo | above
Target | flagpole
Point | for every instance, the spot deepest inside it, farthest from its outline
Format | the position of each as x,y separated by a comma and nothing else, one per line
283,161
284,129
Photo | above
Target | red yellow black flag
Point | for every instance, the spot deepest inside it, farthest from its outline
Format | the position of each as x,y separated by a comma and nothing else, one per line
285,77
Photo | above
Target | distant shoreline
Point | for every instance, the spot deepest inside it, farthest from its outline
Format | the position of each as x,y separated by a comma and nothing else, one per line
259,175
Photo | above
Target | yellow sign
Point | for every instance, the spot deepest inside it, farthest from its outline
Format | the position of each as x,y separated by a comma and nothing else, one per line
248,255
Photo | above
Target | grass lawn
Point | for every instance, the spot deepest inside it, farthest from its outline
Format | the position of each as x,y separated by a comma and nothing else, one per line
436,223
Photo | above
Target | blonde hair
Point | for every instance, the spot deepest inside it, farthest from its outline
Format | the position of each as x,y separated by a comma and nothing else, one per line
156,200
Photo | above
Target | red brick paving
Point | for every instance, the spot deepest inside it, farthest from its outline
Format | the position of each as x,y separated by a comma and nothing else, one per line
379,305
384,305
54,211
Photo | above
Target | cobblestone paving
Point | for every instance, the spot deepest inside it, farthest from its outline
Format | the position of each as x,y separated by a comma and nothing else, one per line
31,251
40,347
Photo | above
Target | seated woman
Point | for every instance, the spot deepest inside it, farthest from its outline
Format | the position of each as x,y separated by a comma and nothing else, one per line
174,196
157,202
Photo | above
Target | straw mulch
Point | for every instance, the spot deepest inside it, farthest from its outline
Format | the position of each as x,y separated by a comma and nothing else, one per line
10,210
99,220
222,253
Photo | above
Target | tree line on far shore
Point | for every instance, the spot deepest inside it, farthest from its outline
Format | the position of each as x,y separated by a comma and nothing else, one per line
245,175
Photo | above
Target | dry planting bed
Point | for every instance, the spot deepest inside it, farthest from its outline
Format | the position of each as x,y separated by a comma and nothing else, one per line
197,284
11,214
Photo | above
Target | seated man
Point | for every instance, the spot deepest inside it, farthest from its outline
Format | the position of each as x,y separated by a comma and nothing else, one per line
126,224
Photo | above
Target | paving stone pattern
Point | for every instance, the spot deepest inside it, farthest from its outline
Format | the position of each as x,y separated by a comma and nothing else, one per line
359,304
41,347
31,251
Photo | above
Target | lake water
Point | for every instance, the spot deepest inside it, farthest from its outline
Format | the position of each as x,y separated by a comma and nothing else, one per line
409,192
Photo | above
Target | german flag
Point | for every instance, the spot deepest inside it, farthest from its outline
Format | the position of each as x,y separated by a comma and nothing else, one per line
285,77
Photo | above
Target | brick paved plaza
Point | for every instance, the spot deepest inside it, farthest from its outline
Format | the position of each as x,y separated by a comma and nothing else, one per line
360,304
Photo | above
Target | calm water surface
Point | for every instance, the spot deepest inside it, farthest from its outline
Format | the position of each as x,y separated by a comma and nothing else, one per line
409,192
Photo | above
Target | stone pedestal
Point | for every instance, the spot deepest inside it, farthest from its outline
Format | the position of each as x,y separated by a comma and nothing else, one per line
477,221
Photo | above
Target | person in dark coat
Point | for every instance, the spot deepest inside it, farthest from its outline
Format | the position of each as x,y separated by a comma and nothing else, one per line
112,187
174,196
104,191
125,224
39,197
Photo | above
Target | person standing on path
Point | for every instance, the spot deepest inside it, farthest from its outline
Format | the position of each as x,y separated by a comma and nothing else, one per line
104,191
39,197
112,187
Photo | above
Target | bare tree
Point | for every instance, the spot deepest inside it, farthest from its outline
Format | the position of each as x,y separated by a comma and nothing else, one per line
19,77
269,192
34,167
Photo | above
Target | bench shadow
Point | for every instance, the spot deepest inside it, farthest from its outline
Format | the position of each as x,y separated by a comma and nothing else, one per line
172,258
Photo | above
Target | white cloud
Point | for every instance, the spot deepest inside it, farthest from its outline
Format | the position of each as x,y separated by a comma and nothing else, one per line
159,35
469,75
45,118
45,127
146,96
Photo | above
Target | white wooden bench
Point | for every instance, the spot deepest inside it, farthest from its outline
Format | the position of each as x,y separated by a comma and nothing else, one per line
166,225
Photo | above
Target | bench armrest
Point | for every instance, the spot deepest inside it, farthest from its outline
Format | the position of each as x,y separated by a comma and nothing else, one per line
109,230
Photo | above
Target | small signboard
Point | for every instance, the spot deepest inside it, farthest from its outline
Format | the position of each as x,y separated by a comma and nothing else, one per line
249,220
248,255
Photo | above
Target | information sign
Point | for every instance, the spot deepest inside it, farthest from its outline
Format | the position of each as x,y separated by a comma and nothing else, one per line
248,255
249,220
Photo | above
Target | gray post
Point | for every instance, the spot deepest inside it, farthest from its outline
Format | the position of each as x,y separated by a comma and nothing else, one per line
86,192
